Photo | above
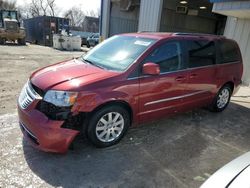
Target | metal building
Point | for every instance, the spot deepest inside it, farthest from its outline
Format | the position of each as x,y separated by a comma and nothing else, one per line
237,27
119,16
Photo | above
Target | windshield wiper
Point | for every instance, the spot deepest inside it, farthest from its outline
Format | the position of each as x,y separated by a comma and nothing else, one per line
90,62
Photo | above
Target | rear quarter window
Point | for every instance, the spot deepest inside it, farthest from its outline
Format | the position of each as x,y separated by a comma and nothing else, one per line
229,52
201,53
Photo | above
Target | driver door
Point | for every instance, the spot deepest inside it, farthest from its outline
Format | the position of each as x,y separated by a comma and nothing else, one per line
162,94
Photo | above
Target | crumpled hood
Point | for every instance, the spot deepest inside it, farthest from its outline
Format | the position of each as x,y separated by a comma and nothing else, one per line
68,75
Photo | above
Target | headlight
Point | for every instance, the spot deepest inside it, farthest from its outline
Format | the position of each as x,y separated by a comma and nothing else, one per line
60,98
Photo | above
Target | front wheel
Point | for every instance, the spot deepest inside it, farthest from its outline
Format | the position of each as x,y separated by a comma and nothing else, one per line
108,125
222,99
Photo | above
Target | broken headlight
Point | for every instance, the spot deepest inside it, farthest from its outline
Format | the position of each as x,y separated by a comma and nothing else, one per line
60,98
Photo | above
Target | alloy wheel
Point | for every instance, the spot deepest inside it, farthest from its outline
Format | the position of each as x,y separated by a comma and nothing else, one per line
223,98
110,127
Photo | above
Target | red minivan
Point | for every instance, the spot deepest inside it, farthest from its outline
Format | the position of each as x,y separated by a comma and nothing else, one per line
126,80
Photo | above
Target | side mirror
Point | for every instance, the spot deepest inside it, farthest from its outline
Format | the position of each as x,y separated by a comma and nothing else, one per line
151,69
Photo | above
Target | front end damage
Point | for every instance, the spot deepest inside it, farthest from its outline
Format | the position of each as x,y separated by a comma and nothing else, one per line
46,126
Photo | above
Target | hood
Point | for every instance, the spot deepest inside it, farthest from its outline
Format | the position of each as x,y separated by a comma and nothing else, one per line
69,75
10,20
234,174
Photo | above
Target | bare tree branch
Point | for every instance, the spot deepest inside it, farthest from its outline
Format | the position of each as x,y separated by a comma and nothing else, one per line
76,15
38,8
34,8
8,4
52,6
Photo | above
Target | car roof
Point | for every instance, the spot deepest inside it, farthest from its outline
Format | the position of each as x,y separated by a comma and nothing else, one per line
166,35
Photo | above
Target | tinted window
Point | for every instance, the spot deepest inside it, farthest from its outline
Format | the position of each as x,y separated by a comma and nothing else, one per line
229,52
168,56
201,53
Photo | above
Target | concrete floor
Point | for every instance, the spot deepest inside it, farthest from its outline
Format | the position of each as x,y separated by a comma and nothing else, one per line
181,151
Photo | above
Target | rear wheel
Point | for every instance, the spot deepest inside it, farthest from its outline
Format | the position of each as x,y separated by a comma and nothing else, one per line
108,125
2,40
222,99
21,41
88,45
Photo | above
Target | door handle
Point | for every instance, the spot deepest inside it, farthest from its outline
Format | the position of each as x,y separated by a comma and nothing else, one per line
180,78
193,75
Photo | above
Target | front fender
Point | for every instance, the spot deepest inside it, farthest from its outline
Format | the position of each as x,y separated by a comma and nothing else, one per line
89,102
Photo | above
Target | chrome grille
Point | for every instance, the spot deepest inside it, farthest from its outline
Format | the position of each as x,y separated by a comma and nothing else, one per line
27,96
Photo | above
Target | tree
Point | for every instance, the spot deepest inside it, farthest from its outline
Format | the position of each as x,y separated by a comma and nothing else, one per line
8,4
38,8
76,15
92,13
43,7
34,8
52,7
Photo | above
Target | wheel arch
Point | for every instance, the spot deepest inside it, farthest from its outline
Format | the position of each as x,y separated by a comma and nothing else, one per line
229,83
121,103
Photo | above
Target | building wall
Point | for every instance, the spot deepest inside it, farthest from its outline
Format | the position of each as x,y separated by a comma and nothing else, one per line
173,22
239,9
204,22
239,30
160,15
91,24
123,21
150,15
231,5
105,19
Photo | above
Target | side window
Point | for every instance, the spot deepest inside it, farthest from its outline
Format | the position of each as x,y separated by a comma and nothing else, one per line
201,53
168,56
229,52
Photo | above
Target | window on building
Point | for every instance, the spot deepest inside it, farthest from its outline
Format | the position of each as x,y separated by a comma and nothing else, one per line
201,53
229,52
168,56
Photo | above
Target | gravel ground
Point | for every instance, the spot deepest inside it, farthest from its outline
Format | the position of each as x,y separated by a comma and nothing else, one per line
16,65
181,151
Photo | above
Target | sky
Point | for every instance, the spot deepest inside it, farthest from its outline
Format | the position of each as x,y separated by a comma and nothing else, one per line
63,5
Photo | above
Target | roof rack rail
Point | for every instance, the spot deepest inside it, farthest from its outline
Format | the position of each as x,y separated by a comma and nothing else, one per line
198,34
144,31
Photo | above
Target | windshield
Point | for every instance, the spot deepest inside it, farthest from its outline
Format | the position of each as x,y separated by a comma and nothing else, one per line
9,14
118,52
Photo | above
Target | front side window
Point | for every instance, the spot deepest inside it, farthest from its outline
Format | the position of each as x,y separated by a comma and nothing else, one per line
201,53
167,56
118,52
229,52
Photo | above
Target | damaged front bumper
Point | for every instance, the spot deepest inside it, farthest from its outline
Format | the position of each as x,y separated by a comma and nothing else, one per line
42,132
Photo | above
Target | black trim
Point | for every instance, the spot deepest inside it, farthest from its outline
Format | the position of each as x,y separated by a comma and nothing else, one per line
37,89
29,133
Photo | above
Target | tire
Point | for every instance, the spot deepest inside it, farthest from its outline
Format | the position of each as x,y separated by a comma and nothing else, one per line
102,132
21,41
2,41
88,45
222,99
